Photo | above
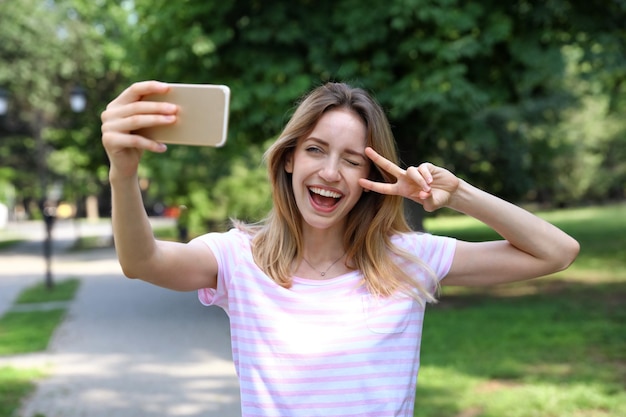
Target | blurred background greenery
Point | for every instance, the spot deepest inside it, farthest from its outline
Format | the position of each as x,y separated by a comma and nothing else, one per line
524,98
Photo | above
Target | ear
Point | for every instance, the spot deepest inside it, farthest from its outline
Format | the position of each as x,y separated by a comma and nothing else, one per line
289,163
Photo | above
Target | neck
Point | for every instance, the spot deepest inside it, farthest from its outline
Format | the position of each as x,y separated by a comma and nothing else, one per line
326,269
320,246
323,254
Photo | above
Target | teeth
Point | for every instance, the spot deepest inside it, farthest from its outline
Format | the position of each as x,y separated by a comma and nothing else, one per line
325,193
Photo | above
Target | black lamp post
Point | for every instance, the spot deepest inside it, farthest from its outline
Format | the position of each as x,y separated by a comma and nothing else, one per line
77,101
48,208
50,199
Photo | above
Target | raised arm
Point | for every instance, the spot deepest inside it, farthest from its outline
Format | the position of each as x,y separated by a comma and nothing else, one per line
532,246
178,266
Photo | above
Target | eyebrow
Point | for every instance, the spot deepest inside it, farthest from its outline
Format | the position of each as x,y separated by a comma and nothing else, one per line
347,150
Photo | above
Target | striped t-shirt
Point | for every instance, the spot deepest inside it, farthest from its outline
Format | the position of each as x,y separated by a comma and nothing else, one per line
322,347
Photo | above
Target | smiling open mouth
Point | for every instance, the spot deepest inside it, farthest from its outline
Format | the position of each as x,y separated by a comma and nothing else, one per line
324,198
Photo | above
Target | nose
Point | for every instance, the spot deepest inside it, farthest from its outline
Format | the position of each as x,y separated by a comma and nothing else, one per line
330,170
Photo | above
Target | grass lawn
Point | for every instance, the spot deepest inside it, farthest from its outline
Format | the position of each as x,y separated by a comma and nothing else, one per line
599,230
61,291
26,332
552,347
8,239
8,243
30,331
15,384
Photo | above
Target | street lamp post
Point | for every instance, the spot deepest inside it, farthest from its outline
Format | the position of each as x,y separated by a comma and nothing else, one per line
77,101
48,210
50,199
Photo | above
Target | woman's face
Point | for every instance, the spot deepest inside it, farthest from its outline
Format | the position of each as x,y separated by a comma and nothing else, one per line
326,166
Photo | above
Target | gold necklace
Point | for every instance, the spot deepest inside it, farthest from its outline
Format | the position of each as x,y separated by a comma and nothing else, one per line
323,273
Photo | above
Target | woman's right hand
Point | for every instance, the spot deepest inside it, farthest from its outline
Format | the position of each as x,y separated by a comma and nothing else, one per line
124,116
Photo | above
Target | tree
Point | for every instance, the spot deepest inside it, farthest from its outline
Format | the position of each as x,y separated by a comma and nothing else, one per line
475,86
32,50
598,125
48,48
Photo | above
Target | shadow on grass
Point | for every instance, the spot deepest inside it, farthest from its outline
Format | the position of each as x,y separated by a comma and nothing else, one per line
15,384
531,339
8,244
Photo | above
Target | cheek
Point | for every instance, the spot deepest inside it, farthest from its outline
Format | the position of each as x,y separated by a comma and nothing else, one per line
357,190
366,173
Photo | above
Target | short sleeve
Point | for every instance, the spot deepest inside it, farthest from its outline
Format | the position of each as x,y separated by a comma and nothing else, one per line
437,252
227,248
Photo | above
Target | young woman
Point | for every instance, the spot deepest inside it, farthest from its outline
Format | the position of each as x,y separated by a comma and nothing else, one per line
326,296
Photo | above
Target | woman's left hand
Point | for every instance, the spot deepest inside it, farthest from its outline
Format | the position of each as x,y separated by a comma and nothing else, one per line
427,184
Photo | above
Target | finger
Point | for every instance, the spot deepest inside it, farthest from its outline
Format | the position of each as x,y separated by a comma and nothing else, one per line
424,195
426,169
417,177
138,90
383,163
136,122
113,141
139,107
379,187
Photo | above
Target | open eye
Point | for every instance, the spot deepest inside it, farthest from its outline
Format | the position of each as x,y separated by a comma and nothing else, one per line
313,149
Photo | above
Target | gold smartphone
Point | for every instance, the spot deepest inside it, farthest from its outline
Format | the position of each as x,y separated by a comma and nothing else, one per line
202,115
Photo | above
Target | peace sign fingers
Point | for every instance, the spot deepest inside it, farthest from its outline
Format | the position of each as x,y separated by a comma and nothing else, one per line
412,183
383,163
387,166
427,184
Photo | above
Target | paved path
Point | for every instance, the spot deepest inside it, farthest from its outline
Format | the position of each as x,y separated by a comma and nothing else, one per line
126,348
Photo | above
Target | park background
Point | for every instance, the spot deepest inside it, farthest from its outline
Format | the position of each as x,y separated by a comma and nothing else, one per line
525,99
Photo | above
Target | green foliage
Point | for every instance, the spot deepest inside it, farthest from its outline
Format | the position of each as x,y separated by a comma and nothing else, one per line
478,87
522,98
48,48
245,193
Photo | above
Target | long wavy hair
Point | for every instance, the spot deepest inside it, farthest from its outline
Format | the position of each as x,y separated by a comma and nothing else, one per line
375,218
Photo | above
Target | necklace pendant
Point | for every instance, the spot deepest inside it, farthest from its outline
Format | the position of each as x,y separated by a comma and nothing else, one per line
323,273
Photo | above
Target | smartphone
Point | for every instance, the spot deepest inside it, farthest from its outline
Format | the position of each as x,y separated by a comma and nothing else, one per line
202,115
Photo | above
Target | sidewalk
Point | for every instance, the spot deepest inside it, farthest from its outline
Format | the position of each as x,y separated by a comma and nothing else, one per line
126,348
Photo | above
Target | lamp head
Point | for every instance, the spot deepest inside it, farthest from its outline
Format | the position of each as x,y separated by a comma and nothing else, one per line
78,99
4,102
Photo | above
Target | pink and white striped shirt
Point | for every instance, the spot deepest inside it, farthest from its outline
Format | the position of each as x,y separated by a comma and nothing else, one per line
323,347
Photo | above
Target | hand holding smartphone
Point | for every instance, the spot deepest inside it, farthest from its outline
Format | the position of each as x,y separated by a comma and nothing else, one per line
202,115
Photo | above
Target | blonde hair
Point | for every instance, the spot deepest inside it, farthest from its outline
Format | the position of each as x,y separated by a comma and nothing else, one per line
375,218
